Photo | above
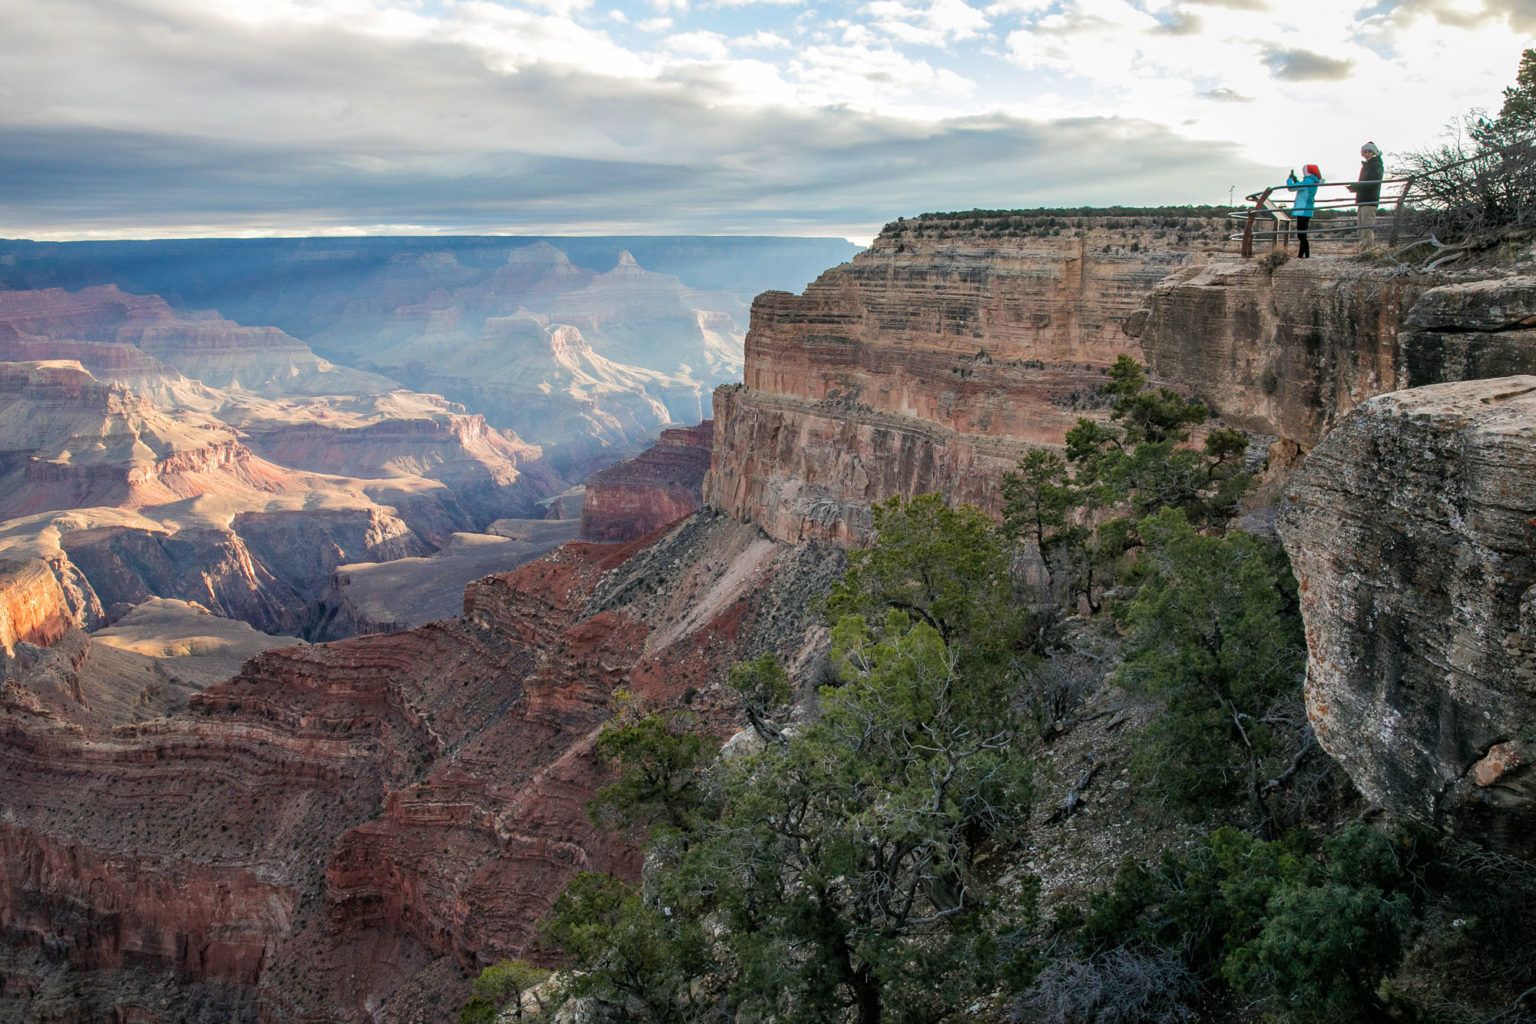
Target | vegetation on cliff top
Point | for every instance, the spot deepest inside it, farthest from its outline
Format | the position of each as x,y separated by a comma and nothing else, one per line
1483,178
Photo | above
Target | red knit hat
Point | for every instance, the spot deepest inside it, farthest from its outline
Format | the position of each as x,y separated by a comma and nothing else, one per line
1313,170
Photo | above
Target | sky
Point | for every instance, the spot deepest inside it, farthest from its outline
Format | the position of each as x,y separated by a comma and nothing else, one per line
167,118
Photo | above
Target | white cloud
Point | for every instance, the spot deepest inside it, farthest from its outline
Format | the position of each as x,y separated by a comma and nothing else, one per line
935,23
761,40
704,45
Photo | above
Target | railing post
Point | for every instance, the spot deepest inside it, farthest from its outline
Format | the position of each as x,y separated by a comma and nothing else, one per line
1248,226
1397,211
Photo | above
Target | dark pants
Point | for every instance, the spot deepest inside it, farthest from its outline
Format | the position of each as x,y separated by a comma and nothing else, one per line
1303,243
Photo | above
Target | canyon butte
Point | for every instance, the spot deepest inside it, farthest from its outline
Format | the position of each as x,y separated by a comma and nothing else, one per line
347,831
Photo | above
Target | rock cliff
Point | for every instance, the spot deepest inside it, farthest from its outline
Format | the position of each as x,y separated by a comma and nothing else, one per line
654,489
110,329
242,497
1287,350
930,363
1412,529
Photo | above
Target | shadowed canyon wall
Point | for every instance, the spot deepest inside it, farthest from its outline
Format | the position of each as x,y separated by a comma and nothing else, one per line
1287,351
658,487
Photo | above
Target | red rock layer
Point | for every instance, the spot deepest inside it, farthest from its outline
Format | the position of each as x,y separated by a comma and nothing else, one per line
656,488
348,830
928,363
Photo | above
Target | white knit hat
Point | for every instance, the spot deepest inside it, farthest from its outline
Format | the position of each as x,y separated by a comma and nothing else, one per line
1371,148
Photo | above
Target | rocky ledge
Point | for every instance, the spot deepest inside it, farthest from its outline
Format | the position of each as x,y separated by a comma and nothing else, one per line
1288,350
1412,529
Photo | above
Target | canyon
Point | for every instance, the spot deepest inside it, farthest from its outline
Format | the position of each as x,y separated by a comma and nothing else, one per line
350,829
156,450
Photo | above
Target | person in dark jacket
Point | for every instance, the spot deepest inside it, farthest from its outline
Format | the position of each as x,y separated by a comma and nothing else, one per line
1368,193
1302,205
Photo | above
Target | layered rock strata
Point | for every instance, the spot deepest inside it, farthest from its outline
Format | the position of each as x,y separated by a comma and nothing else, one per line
931,362
1288,350
344,832
1412,530
655,489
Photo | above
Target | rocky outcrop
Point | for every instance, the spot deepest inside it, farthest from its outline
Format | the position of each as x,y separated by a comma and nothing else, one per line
34,607
931,362
655,489
344,832
290,406
1288,350
1412,529
143,666
1471,330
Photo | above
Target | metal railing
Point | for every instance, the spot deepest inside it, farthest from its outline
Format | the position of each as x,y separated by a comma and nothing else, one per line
1334,205
1333,211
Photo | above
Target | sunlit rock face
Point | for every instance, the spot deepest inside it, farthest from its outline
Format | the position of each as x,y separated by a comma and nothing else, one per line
931,362
124,478
1412,530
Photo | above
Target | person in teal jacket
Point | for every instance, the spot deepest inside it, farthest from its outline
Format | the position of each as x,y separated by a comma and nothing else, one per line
1302,205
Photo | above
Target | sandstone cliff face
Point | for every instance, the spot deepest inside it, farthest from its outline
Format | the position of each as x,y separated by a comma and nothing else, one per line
144,483
342,832
1412,529
1288,352
34,607
931,362
656,488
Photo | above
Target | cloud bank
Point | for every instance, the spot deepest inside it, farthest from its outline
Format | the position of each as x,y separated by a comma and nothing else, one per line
153,117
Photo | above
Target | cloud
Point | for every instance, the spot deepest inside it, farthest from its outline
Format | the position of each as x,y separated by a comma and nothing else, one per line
935,23
1181,23
704,45
1521,13
761,40
832,170
1299,65
148,116
166,136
